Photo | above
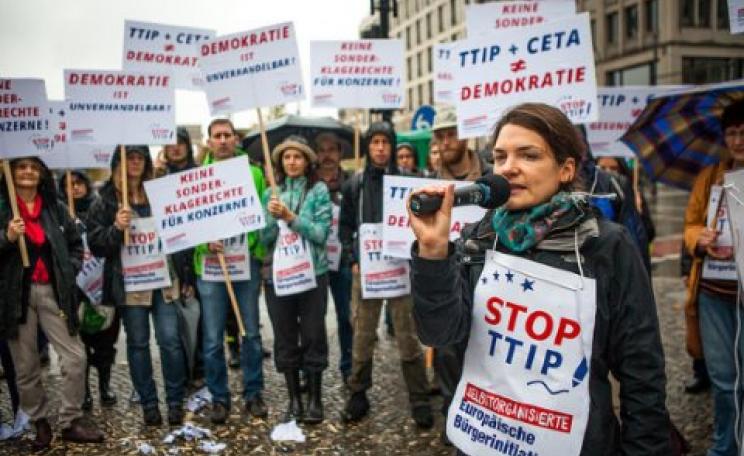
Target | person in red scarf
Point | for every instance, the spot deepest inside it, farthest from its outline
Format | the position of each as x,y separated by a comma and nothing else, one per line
43,296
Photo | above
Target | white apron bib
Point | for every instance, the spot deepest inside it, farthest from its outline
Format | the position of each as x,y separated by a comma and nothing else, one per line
714,268
333,245
90,277
293,270
381,276
237,258
143,262
524,389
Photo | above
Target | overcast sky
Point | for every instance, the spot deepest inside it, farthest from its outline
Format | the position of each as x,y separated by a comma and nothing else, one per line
41,38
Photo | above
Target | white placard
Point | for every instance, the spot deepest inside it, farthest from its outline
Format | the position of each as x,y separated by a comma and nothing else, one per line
443,77
160,48
525,379
24,123
143,261
619,107
333,245
551,63
119,107
381,276
735,202
203,204
357,74
90,277
237,259
736,15
251,69
498,16
80,156
723,269
292,269
396,228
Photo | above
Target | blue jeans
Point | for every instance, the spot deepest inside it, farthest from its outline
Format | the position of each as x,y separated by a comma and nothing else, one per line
718,331
172,357
215,303
340,283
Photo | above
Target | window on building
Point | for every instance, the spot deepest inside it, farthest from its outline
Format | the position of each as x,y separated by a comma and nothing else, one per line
430,59
637,75
453,11
704,70
612,27
418,32
652,15
410,99
409,71
419,67
703,13
408,37
420,95
431,92
428,26
631,22
687,13
722,14
440,16
593,28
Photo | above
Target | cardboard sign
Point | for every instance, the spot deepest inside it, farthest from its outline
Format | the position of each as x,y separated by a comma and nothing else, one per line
396,227
619,107
237,258
143,261
524,388
251,69
736,15
357,74
81,156
333,245
203,204
443,77
498,16
724,268
734,182
24,124
160,48
551,63
119,107
381,276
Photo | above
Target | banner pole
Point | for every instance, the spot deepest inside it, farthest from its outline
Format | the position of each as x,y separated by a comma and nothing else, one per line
267,154
70,199
14,208
231,293
124,185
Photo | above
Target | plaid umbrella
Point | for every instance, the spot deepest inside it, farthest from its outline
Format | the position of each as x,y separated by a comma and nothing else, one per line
678,134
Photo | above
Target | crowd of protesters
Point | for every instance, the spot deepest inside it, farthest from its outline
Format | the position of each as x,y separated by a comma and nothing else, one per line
566,211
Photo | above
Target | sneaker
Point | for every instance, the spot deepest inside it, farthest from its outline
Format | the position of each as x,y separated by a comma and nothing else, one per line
219,413
256,407
422,416
356,408
175,416
152,417
134,398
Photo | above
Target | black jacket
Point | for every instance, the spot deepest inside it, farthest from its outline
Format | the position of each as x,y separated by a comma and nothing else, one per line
66,249
626,334
105,240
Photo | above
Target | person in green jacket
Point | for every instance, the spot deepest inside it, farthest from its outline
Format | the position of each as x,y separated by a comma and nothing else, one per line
215,304
298,219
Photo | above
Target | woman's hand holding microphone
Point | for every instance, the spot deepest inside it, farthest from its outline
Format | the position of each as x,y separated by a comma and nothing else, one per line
432,230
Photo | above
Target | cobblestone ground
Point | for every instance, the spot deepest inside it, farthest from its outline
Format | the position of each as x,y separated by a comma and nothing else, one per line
388,431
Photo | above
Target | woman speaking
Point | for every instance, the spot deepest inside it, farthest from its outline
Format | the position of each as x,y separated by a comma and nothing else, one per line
550,300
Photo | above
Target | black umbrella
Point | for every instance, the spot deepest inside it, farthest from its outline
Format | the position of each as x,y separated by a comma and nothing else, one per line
307,127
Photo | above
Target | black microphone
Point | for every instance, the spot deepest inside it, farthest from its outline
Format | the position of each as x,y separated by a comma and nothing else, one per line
490,191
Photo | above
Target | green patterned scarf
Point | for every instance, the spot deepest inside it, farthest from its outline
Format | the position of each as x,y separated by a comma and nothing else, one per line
519,231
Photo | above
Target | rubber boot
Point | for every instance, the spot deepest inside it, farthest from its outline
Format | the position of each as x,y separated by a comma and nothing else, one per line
314,413
108,398
88,400
294,408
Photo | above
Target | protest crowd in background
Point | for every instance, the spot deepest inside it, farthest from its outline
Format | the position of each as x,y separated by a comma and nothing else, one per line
530,311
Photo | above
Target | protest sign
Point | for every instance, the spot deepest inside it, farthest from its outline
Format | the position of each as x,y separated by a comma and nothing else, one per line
381,276
736,15
119,107
498,16
442,55
160,48
618,109
734,182
722,266
62,156
251,69
237,259
90,277
292,268
396,227
357,74
524,387
24,123
143,261
205,204
551,63
333,245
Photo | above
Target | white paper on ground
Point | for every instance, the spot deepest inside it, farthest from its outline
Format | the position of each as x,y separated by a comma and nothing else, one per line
20,426
199,400
287,432
211,447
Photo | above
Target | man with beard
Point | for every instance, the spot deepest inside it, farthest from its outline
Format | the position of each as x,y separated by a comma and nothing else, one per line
457,161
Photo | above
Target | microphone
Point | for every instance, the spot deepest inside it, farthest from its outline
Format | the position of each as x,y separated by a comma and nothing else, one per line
489,192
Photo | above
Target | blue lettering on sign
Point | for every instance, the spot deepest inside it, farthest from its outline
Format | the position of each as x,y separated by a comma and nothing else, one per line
550,359
552,41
